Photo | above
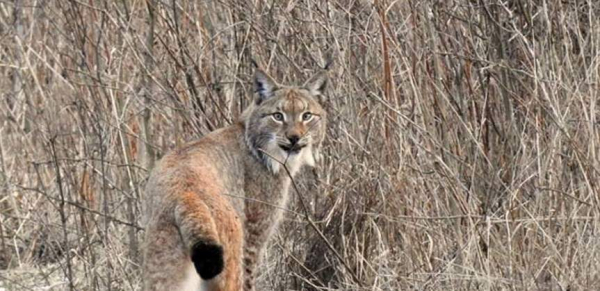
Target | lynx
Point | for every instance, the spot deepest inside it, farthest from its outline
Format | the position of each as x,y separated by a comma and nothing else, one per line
212,205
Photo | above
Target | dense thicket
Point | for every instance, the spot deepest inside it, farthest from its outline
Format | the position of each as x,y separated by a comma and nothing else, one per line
462,154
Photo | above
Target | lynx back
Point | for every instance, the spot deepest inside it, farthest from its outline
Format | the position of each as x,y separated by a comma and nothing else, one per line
212,205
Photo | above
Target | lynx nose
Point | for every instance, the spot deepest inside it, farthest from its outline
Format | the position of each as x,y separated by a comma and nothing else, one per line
294,139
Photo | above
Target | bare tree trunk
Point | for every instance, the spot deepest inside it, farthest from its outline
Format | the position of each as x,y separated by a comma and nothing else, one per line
17,83
62,210
4,254
146,153
11,100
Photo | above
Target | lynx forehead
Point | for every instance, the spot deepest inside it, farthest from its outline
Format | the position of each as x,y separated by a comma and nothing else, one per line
206,221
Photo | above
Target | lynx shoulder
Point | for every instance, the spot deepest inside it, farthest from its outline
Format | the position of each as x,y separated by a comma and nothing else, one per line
211,206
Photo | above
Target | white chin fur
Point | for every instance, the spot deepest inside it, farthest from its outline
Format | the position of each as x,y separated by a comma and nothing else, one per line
293,162
309,156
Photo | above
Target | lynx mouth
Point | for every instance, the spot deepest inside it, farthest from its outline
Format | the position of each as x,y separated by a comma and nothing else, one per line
292,149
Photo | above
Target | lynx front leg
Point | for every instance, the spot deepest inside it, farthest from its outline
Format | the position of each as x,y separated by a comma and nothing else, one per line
232,240
256,235
252,253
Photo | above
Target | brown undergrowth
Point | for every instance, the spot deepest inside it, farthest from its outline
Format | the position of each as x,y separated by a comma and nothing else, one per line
462,153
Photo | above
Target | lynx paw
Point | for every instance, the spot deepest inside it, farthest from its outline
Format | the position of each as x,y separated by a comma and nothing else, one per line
208,259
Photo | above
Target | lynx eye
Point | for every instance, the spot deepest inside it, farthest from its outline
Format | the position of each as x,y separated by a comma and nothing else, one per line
278,116
307,116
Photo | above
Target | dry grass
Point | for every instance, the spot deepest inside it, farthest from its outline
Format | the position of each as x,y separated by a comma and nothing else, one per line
462,153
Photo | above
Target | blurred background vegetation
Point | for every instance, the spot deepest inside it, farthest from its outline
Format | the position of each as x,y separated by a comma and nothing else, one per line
462,153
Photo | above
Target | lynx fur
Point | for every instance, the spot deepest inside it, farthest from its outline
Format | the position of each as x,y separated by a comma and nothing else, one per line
212,205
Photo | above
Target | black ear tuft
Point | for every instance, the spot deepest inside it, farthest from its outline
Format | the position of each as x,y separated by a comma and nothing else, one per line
208,259
263,85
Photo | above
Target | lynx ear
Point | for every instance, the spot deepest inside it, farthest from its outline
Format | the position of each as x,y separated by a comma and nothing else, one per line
317,83
263,85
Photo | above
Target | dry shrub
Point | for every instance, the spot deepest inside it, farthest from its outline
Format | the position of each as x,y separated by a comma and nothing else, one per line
462,150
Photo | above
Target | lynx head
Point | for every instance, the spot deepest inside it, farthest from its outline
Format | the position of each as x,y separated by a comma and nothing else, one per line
285,125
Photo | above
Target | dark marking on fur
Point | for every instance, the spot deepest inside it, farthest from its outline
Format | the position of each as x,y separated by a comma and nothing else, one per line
208,259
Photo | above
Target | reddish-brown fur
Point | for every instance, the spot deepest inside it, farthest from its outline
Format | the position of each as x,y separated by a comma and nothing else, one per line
219,199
